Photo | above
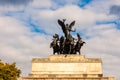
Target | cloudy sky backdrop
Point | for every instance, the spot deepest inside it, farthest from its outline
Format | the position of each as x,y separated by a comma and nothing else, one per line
27,27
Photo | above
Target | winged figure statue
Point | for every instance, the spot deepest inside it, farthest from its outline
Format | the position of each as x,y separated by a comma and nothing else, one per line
66,28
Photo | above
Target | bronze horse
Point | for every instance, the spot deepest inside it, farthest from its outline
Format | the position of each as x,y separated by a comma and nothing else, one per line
54,44
79,44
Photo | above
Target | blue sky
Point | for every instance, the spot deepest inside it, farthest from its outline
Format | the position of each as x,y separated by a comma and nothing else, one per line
27,27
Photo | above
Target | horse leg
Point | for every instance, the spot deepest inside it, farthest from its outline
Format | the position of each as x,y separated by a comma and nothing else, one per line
70,50
79,52
74,51
58,52
53,51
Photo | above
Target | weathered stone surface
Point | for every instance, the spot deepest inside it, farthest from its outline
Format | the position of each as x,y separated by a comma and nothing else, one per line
66,58
66,64
68,78
66,67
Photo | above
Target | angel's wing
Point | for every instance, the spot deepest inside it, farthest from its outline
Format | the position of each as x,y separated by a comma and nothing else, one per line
71,24
62,25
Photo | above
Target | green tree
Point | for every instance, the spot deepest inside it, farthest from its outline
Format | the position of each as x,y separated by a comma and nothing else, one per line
9,71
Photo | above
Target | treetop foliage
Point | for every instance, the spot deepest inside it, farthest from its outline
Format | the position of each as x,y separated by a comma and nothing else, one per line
9,71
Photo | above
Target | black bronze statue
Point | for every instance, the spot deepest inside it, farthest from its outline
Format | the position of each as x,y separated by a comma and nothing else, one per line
79,44
54,44
66,45
62,44
66,28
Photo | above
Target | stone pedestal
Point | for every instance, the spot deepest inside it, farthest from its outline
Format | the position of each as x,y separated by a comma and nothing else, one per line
66,67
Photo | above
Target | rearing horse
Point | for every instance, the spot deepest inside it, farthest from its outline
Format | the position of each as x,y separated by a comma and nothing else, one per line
79,44
54,44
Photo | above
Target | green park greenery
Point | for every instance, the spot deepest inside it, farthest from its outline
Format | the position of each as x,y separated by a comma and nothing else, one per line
9,71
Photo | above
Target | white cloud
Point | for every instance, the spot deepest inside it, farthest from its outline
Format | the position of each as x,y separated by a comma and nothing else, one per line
20,45
102,6
41,4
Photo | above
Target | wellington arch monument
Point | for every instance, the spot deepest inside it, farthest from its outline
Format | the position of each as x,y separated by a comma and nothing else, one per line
66,62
